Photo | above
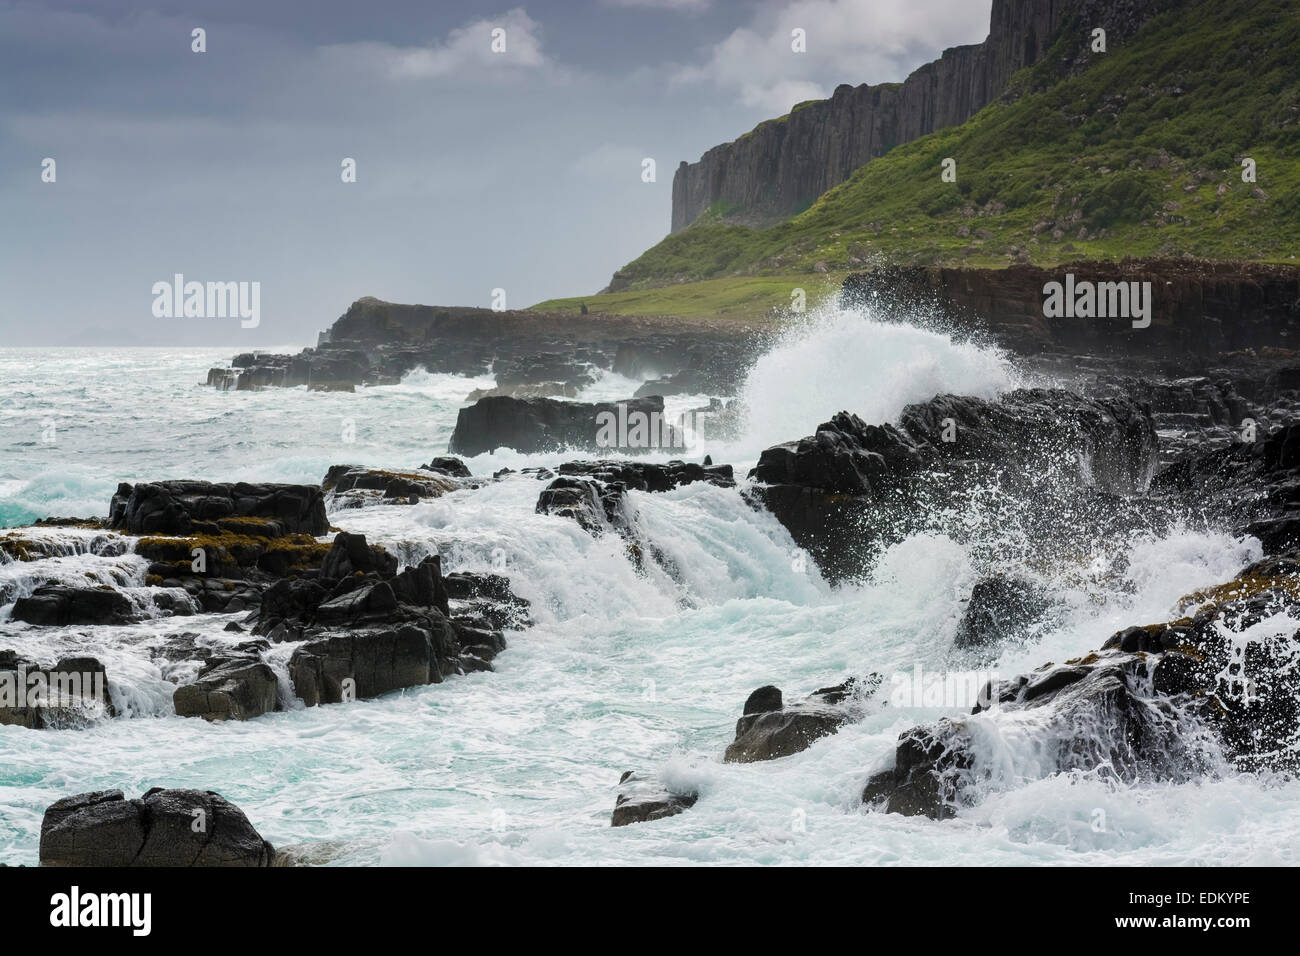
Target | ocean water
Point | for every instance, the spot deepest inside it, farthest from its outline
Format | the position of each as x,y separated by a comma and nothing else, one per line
622,670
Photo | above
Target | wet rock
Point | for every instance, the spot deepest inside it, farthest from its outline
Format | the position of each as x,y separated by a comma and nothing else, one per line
366,661
487,596
231,688
69,693
597,507
1159,702
646,476
770,729
852,488
642,799
349,554
189,507
449,465
161,828
1001,608
545,424
57,605
352,486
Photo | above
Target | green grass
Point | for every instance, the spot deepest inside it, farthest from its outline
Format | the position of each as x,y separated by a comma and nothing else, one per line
1141,151
753,297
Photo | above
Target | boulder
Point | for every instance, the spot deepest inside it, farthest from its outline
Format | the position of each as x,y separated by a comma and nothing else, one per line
533,425
161,828
769,728
230,688
1001,607
58,605
642,799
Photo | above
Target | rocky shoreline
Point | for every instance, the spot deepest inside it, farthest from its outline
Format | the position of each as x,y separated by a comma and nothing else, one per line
1129,441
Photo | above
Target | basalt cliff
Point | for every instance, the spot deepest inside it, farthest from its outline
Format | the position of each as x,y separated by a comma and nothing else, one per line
781,166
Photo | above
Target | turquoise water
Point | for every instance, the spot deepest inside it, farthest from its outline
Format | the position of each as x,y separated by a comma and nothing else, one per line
621,671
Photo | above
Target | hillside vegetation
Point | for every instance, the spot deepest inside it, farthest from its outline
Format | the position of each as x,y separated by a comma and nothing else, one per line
1138,154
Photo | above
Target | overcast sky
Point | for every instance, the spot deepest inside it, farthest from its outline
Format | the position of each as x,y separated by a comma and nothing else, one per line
476,170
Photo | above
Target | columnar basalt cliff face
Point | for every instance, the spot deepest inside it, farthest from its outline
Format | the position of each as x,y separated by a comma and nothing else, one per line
783,165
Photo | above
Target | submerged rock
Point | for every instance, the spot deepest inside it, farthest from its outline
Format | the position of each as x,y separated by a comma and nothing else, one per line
161,828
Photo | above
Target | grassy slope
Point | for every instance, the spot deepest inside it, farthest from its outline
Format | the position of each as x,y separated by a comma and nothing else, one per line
1134,150
743,298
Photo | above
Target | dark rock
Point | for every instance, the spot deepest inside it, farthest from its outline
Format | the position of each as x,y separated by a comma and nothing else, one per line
349,554
852,488
642,799
174,507
56,605
1000,608
354,486
770,729
66,694
450,465
162,828
766,698
233,688
546,424
1160,702
365,661
645,476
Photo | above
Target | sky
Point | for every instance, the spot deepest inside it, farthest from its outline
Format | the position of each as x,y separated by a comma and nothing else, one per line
520,170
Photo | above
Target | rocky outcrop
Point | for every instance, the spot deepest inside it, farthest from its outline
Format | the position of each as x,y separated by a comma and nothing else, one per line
527,352
534,425
366,629
642,799
781,166
161,828
851,487
191,507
